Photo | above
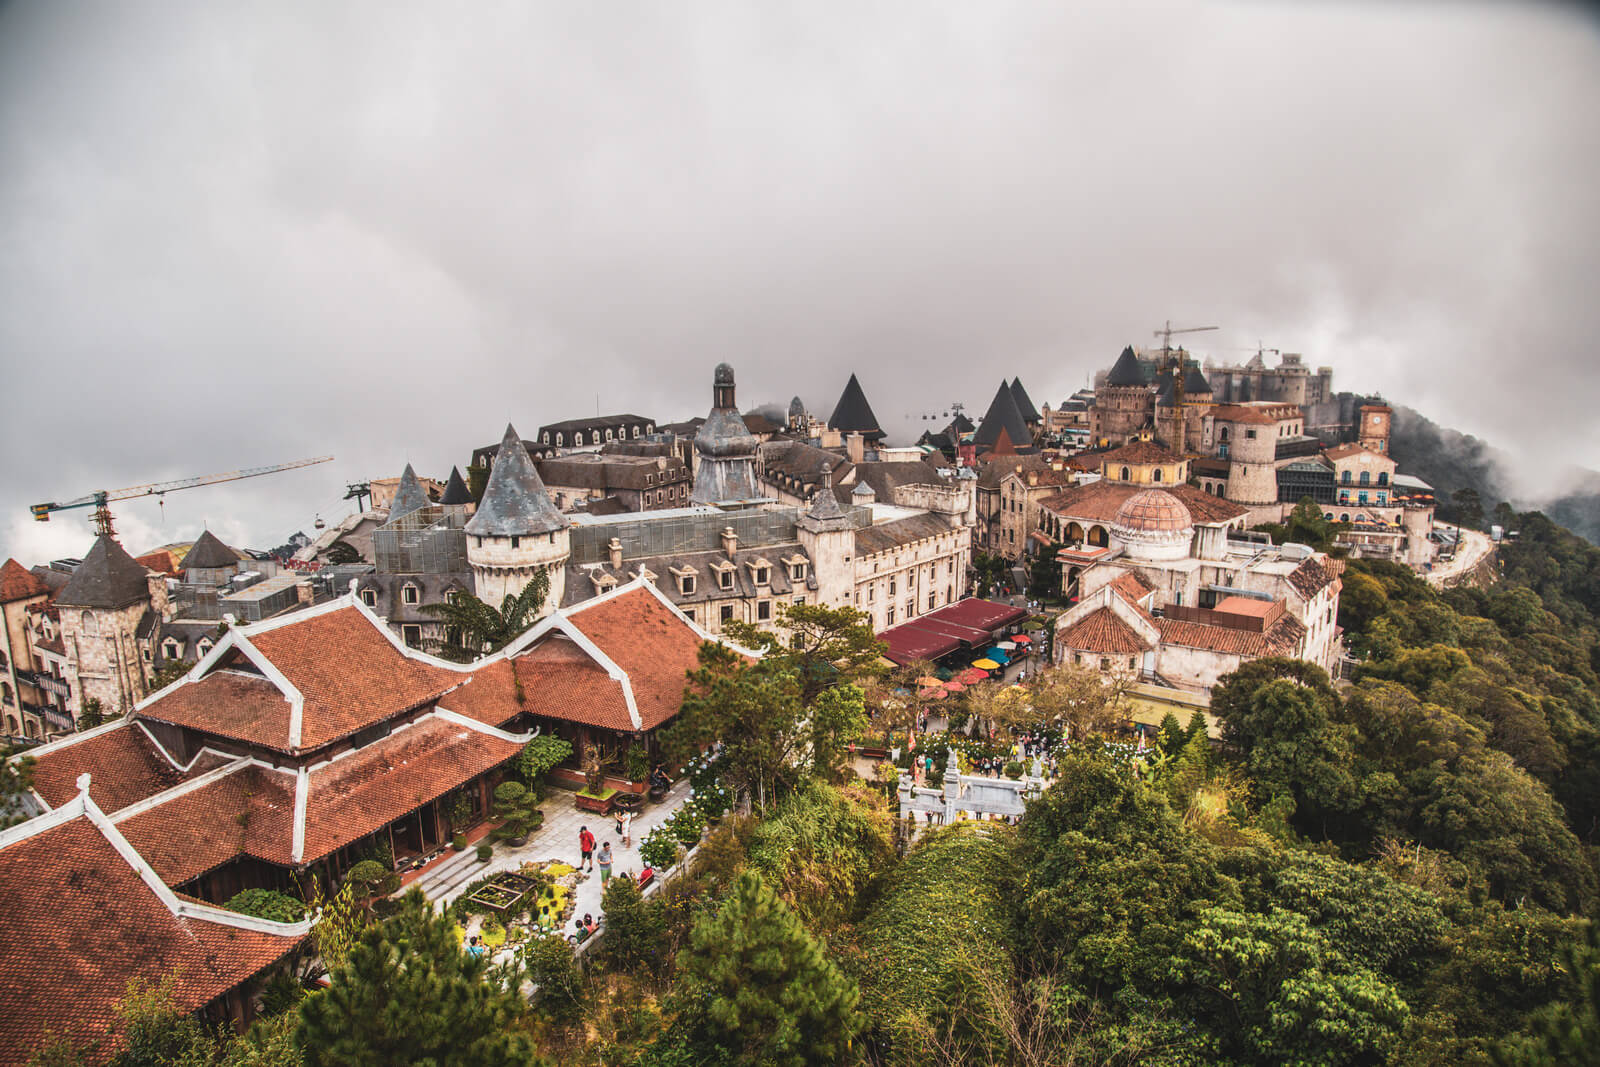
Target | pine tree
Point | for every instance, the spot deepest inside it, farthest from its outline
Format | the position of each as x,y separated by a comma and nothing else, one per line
767,992
1171,737
1197,726
407,994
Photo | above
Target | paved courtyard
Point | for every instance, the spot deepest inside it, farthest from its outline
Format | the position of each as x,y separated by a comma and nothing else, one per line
557,839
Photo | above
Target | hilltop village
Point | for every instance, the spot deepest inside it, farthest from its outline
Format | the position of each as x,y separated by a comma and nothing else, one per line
201,722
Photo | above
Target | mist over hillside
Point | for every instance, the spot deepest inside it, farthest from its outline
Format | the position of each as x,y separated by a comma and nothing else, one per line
1449,460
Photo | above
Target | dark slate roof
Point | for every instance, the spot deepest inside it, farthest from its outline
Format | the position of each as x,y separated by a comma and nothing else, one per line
1003,415
884,478
900,532
606,505
800,466
599,422
796,407
408,495
1195,381
455,490
1024,403
209,553
960,425
583,578
1165,393
1126,370
514,502
853,414
825,512
431,589
107,578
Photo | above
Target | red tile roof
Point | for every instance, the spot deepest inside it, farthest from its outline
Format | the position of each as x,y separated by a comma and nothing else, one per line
562,681
1280,639
651,643
1257,415
1354,448
357,794
351,675
19,583
1104,633
1139,452
161,560
249,812
1100,502
125,765
1314,575
227,703
81,924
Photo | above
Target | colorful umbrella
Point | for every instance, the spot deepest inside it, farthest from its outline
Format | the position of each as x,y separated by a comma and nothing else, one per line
1022,639
998,655
986,664
930,683
1007,645
972,676
933,694
954,686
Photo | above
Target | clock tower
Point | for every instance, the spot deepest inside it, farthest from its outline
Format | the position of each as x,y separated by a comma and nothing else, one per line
1373,431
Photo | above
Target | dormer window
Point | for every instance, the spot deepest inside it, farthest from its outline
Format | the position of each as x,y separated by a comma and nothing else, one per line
725,578
204,647
369,597
170,649
452,595
686,584
761,576
797,572
410,595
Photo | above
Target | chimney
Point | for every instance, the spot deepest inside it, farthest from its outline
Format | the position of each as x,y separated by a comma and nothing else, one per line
1056,465
615,548
855,446
730,541
1033,477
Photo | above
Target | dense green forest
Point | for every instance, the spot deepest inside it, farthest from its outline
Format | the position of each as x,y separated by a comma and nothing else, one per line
1397,868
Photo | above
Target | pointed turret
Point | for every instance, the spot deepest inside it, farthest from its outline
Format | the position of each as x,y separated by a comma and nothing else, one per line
727,448
455,490
852,414
1166,391
1194,383
208,553
1030,414
1003,428
108,578
515,502
825,512
1126,370
408,495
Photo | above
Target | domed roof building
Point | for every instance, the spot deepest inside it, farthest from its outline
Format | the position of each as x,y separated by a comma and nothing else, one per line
727,448
1152,524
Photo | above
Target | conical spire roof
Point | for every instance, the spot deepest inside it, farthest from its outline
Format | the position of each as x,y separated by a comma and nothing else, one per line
1126,370
455,490
107,578
19,583
210,553
1024,403
1165,390
825,512
1003,415
408,495
852,414
515,502
1195,382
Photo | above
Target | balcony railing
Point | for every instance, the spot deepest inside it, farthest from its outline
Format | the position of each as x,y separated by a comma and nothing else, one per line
48,682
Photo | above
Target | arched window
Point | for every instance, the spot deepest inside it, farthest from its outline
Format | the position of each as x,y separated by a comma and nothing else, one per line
170,649
561,439
577,438
1345,517
204,647
1127,475
547,437
1383,477
1344,477
636,431
1155,475
1224,433
87,621
5,693
1366,477
13,727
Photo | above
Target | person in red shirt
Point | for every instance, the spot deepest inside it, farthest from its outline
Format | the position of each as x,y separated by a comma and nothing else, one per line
586,846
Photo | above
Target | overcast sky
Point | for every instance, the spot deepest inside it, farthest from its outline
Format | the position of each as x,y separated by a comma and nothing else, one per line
232,235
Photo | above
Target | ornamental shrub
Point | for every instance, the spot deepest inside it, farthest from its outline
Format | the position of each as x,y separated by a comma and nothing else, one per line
484,852
659,848
267,904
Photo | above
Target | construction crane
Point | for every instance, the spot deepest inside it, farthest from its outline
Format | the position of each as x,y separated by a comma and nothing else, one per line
101,500
1166,332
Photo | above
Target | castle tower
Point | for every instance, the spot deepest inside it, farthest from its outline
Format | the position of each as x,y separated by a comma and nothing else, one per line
517,531
1122,405
826,535
1373,429
456,494
408,495
1197,399
101,609
726,447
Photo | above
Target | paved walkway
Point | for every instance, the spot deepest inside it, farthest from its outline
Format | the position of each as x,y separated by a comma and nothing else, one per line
1470,552
557,839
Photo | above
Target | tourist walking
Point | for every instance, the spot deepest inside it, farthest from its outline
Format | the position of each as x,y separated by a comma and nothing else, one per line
625,828
605,863
586,847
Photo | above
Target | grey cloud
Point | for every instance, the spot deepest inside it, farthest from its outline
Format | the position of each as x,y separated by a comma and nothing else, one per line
381,230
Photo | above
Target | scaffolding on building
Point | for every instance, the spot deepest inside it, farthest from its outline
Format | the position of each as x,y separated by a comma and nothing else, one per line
659,533
430,540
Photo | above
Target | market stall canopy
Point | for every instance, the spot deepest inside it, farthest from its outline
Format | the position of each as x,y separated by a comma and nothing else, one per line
986,664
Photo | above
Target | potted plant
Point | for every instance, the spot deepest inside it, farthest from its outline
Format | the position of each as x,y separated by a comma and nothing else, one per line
459,842
514,803
484,852
636,765
595,795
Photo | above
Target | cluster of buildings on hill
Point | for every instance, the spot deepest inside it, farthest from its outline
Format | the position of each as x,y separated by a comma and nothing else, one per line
734,515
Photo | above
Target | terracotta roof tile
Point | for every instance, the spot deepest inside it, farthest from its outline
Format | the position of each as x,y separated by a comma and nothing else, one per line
357,794
161,560
247,813
1260,416
1103,633
1312,576
81,924
19,583
651,643
125,767
227,703
1281,639
1139,452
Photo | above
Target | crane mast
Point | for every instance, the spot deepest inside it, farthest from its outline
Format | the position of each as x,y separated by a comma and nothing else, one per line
101,499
